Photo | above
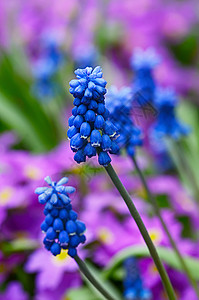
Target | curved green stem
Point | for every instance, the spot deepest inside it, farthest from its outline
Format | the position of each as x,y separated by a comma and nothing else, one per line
158,213
133,211
85,270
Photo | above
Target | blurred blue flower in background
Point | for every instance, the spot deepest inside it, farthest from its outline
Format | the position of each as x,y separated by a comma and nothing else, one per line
133,285
119,104
167,123
143,63
45,67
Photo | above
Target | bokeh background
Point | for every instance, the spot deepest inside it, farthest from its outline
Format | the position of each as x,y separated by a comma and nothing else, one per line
42,43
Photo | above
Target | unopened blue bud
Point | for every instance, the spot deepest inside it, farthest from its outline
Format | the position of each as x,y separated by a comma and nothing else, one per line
54,212
80,227
71,120
93,105
99,122
104,159
85,130
82,238
90,116
76,142
72,131
106,142
58,225
48,206
110,129
55,249
90,150
106,114
78,121
96,138
101,109
74,111
45,212
80,156
82,109
49,219
74,240
63,214
73,215
71,227
114,148
50,234
72,252
47,244
77,101
63,237
44,226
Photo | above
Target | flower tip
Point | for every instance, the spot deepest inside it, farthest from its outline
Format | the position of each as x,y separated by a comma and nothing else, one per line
62,181
48,180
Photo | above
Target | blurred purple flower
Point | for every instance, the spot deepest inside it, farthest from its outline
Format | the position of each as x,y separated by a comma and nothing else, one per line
14,291
50,269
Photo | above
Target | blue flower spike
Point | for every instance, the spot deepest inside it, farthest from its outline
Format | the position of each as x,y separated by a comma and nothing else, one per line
118,103
90,131
167,123
62,228
143,63
133,285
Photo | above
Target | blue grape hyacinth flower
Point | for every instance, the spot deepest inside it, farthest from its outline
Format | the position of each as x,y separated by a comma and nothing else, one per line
45,67
143,63
167,123
63,229
133,285
90,131
119,104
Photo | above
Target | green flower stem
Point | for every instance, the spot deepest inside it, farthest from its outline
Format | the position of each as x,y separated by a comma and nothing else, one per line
125,195
180,160
158,213
85,270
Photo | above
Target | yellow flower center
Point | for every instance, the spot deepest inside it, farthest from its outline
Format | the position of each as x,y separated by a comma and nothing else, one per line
5,195
105,235
153,269
32,172
61,258
141,193
156,236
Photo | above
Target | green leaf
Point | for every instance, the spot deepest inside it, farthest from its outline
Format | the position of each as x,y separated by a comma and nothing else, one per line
168,256
18,245
98,275
15,119
83,293
16,90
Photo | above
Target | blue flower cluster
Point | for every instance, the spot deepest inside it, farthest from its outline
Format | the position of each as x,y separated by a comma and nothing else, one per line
119,104
143,63
133,285
90,132
167,123
45,67
63,230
